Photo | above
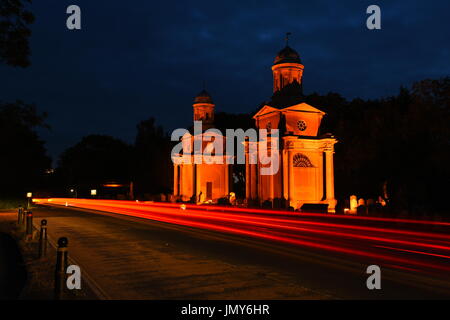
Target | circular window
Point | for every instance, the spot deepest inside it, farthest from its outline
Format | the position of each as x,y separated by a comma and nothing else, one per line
269,126
301,124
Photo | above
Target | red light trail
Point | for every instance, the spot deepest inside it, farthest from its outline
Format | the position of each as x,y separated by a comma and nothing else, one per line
391,244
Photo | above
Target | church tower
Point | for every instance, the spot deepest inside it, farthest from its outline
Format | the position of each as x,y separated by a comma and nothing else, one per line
204,109
306,172
287,68
204,175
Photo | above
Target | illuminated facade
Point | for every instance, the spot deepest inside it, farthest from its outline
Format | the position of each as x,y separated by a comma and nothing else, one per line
203,174
306,174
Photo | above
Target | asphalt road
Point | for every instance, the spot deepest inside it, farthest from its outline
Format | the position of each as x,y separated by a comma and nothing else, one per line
128,257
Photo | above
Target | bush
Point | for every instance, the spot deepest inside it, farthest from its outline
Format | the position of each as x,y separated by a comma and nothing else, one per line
12,203
223,201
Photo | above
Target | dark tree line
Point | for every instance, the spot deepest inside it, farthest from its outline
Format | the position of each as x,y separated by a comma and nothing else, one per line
15,32
152,163
398,147
23,160
98,160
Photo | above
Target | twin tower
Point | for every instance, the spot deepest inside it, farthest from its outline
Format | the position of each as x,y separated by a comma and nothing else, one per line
306,173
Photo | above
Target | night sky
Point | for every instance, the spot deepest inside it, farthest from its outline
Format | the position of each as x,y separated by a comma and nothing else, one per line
136,59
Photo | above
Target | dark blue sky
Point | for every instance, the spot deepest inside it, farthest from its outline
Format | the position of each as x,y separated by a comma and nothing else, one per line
136,59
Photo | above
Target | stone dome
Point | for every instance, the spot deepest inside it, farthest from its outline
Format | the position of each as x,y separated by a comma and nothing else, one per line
287,55
203,97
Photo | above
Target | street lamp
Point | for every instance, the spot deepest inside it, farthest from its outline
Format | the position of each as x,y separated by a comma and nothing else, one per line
73,193
93,192
29,196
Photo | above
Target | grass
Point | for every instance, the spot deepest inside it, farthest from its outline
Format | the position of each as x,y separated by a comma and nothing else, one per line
12,203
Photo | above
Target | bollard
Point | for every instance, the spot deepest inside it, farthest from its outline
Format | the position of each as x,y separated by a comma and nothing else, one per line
43,239
61,266
23,219
19,215
29,231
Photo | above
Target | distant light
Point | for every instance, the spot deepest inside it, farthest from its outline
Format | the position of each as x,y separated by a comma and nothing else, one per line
29,195
183,207
71,190
93,192
113,185
353,204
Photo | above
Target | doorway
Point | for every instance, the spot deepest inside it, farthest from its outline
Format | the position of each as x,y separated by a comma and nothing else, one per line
208,190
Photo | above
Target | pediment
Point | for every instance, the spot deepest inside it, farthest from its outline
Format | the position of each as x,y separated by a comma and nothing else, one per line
265,110
303,107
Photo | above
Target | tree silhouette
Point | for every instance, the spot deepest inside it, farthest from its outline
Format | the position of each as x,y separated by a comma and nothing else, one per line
95,160
24,161
401,142
15,32
152,169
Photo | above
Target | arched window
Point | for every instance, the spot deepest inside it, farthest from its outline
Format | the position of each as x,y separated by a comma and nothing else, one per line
300,160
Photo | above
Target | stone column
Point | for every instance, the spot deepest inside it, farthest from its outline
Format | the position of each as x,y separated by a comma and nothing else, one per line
330,180
194,181
259,185
248,190
291,178
253,166
253,182
285,177
175,179
181,180
198,183
227,179
330,175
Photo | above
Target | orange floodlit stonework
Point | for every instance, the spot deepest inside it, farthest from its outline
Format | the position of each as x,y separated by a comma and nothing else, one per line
202,175
303,173
306,174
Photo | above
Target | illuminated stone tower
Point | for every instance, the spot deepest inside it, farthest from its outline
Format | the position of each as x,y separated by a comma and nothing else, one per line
202,175
204,109
306,171
287,68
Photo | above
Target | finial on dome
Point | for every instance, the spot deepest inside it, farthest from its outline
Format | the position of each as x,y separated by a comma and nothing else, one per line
287,38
